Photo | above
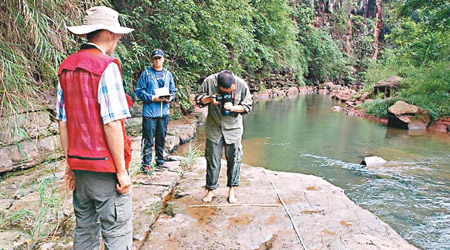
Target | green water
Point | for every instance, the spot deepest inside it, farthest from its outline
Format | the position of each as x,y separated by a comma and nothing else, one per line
303,135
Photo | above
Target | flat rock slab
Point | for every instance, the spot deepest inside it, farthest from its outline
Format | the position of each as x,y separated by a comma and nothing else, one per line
324,216
169,213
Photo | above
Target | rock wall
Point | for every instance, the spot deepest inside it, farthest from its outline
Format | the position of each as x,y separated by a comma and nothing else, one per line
33,137
27,139
357,26
283,78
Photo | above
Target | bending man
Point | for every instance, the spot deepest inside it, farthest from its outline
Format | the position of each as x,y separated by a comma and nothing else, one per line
228,98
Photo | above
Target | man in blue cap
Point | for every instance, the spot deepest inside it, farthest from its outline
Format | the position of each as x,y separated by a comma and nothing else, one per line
156,89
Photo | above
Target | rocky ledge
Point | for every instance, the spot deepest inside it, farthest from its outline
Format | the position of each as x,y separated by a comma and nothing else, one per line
324,216
169,213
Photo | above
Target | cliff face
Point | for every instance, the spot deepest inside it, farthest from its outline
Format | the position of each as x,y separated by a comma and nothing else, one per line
356,24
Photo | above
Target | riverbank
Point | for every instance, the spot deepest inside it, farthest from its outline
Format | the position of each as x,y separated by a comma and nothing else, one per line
324,216
351,102
169,213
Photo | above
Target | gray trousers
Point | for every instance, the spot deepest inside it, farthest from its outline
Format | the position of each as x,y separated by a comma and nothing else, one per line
101,212
213,155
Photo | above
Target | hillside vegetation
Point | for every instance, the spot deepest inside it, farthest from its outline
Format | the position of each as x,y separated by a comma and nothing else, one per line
417,48
318,41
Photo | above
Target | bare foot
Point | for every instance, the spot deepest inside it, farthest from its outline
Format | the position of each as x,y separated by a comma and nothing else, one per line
232,196
209,196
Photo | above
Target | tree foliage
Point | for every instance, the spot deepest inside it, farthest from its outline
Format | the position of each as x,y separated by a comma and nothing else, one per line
253,38
204,37
434,13
418,49
322,54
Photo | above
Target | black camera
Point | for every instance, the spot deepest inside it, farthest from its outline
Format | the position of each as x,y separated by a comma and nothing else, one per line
222,98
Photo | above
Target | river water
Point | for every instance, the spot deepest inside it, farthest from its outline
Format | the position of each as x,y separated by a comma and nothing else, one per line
411,193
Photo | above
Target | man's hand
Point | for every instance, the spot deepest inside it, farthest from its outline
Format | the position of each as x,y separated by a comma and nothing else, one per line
168,99
124,185
212,99
157,99
228,106
69,178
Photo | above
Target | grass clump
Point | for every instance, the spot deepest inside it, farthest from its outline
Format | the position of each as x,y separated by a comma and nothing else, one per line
33,42
169,209
378,107
190,157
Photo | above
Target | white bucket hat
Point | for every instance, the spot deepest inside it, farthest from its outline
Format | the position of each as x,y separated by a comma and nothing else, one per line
100,18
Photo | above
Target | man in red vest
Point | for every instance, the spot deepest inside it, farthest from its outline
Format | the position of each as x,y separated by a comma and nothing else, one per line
91,106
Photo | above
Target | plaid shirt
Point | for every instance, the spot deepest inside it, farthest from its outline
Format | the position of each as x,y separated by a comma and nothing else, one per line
111,97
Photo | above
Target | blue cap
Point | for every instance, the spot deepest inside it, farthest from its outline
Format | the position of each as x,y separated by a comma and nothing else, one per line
157,53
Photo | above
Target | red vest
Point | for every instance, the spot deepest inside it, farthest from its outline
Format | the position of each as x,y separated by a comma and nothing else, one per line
79,76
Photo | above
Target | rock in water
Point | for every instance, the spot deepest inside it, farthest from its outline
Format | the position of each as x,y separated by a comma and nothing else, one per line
336,108
373,161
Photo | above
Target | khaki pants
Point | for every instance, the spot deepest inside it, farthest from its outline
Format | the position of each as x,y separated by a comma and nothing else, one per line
101,212
213,155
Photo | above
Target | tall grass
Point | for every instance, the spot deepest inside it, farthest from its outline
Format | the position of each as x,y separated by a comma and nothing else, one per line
429,88
33,42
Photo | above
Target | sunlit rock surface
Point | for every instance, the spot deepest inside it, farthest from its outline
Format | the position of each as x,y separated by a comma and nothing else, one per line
324,216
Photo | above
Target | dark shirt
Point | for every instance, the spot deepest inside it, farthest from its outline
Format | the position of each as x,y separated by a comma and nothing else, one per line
160,78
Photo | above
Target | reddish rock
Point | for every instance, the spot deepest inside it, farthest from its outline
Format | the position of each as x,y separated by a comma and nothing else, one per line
259,221
264,95
28,153
276,93
350,103
356,112
364,96
407,116
402,108
292,91
22,126
329,85
441,125
336,108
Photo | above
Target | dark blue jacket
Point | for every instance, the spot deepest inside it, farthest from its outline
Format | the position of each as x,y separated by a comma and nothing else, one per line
146,89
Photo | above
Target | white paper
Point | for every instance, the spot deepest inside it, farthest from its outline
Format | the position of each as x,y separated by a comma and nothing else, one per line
164,91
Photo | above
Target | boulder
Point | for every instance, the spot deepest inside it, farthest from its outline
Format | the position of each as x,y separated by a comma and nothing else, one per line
329,85
387,86
264,95
364,96
373,161
441,125
277,93
350,103
407,116
292,91
336,108
136,109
